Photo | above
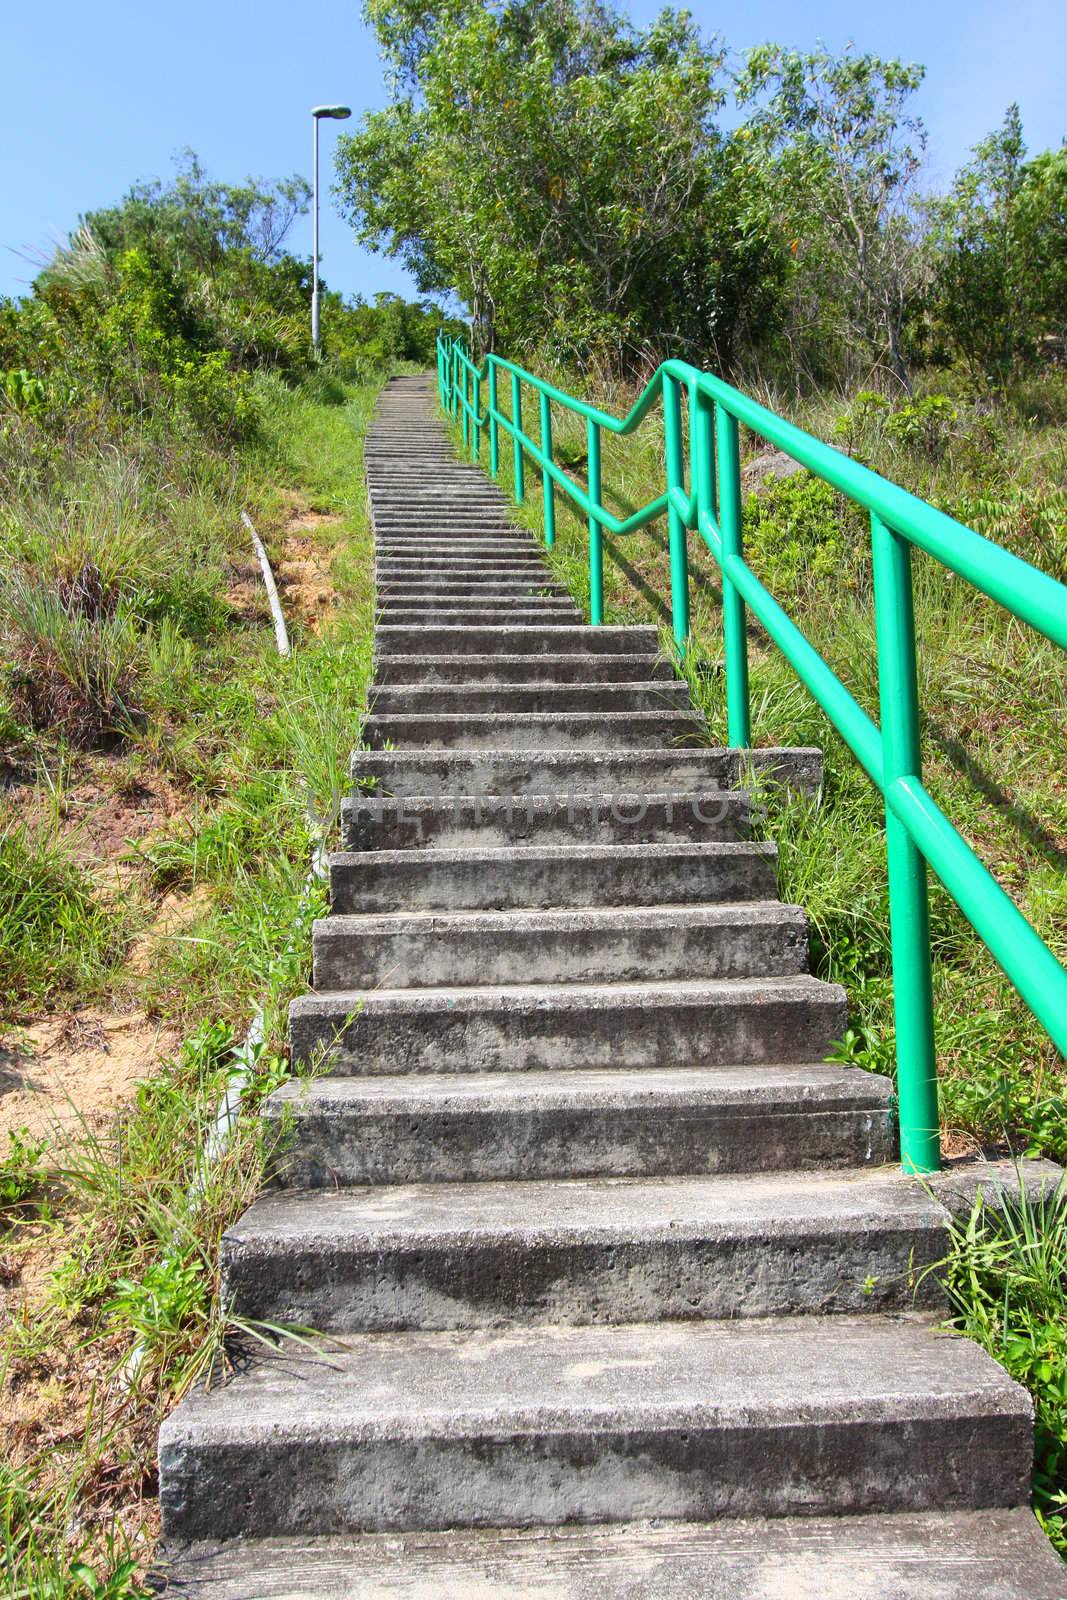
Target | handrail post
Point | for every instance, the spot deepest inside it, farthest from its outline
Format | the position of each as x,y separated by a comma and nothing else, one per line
735,640
516,420
596,532
909,911
678,533
476,423
466,403
455,379
494,442
548,487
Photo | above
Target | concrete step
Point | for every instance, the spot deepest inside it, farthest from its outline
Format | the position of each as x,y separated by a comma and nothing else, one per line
487,821
521,1027
468,555
495,698
625,775
692,1420
525,877
581,730
571,670
458,1127
527,579
511,641
611,944
586,1251
461,538
422,574
431,616
957,1555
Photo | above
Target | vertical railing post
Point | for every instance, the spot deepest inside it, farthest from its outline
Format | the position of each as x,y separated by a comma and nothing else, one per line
702,437
728,451
494,441
596,532
476,420
909,912
455,378
516,418
465,403
678,533
548,487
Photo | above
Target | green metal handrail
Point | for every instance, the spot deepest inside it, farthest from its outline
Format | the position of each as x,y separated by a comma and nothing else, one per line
918,833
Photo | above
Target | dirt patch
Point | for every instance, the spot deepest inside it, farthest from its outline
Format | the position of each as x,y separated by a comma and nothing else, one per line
100,812
305,569
175,911
76,1068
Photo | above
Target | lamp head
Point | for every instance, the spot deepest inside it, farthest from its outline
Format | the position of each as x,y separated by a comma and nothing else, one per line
339,113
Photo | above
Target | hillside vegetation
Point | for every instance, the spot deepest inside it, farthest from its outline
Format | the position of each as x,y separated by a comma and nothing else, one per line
165,778
598,197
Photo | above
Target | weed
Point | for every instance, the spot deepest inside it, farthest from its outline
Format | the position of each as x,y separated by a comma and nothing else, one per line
57,936
1006,1278
21,1172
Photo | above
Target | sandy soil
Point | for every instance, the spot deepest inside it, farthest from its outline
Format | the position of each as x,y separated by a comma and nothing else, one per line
76,1067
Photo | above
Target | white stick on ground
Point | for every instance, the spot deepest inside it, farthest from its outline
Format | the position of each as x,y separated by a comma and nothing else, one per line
280,631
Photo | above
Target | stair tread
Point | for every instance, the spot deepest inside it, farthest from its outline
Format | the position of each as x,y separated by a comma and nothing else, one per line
646,1376
722,848
549,920
578,996
996,1554
629,1210
749,1090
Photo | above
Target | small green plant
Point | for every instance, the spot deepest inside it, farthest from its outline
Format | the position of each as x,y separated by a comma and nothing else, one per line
21,1171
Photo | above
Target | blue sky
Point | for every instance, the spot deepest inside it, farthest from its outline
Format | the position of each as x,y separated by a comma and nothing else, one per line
96,96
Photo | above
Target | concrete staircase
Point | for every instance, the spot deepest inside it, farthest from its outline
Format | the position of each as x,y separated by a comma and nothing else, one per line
627,1293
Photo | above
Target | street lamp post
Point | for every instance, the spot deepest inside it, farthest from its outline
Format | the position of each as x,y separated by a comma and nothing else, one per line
338,113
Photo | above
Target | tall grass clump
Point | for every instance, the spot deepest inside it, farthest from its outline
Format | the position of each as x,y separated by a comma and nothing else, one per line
1006,1279
58,936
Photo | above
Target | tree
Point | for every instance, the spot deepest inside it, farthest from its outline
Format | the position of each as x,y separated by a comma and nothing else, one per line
1002,279
560,171
841,157
196,222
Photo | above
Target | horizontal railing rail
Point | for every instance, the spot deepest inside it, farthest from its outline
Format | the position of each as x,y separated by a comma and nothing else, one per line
707,499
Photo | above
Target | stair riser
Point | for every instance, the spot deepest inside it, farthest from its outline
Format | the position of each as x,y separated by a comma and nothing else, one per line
430,575
456,824
517,1037
580,731
412,881
474,1282
502,698
626,775
418,957
508,641
507,615
424,671
469,558
330,1479
452,1147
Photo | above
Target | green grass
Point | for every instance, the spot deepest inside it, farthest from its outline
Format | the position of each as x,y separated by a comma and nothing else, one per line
1007,1282
254,748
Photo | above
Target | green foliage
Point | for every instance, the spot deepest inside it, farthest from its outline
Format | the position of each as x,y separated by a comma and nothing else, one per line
1001,290
21,1172
55,932
561,171
1006,1278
